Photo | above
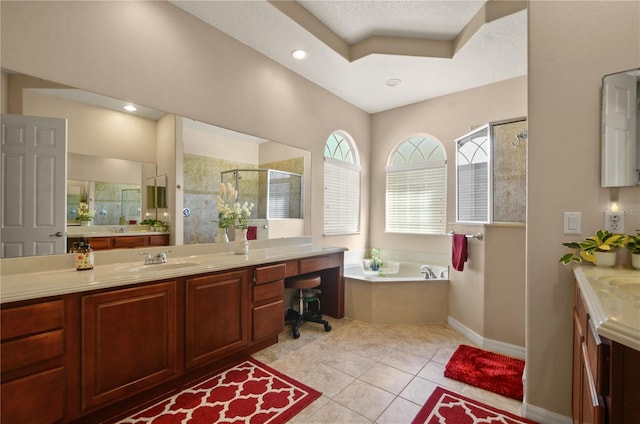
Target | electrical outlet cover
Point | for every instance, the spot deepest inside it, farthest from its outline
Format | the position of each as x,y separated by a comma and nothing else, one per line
614,222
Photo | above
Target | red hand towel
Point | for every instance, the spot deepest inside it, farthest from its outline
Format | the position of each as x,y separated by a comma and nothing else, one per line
459,251
252,232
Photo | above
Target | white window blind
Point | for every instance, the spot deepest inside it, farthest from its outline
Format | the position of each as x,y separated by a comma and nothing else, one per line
279,200
416,198
472,171
341,197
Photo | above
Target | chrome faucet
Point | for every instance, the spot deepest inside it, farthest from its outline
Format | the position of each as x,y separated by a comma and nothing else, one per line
160,258
427,271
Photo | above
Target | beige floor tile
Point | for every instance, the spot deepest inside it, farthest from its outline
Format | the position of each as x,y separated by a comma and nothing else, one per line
334,413
418,390
434,371
365,399
349,363
401,411
387,378
405,361
366,371
307,412
329,381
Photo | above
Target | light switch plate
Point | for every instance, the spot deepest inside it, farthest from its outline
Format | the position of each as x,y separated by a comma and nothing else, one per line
573,222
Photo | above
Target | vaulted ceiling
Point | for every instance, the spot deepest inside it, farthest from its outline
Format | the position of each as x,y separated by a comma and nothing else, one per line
380,55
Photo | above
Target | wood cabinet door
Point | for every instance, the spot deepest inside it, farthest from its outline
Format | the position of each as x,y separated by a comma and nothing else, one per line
216,316
36,399
128,341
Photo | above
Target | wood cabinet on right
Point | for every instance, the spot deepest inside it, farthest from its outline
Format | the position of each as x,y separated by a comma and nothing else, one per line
606,374
216,316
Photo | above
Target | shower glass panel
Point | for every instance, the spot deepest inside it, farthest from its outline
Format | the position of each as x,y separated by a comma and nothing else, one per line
491,173
275,194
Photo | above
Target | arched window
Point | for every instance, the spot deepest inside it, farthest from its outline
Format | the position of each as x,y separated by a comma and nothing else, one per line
341,185
416,193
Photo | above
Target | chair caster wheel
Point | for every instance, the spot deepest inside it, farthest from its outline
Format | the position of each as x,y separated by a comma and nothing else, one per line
295,334
327,327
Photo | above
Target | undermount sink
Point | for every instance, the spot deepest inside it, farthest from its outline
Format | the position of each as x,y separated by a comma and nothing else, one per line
163,267
628,284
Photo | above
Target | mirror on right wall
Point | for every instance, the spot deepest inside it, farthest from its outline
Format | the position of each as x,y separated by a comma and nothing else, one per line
621,129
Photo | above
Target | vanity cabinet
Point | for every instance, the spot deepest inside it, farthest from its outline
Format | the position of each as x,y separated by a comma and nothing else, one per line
606,374
129,341
91,356
34,380
121,242
216,316
267,301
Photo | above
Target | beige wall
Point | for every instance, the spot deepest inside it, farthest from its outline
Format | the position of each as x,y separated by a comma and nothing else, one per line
96,131
572,45
156,55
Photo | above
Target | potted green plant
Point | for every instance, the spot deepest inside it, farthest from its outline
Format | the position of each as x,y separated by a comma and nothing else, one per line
633,244
598,249
376,261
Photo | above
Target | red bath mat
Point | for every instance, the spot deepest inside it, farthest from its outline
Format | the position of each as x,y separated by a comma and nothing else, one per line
491,371
249,392
445,407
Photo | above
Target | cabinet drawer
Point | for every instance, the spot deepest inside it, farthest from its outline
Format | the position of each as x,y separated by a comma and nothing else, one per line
581,309
319,264
159,240
31,319
592,403
264,292
101,243
266,274
596,351
130,241
38,398
268,320
31,350
293,268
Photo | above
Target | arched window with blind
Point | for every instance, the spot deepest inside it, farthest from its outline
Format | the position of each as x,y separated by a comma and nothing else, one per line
341,185
416,191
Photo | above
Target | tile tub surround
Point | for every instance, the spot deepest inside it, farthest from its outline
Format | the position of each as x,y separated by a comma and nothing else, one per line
57,275
612,296
372,373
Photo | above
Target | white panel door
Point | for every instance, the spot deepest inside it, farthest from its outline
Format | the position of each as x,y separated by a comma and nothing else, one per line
33,181
619,131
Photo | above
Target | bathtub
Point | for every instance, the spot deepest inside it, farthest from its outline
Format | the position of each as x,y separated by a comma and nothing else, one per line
394,271
397,294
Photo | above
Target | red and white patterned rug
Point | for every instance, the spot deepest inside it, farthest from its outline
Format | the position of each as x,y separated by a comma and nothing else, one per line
445,407
250,392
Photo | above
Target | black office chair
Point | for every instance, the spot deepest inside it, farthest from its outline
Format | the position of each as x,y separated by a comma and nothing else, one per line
308,292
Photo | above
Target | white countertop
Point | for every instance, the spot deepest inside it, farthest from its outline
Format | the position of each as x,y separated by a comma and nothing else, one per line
119,268
612,297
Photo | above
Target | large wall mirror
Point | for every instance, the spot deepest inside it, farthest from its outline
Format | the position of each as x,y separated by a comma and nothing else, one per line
621,129
112,156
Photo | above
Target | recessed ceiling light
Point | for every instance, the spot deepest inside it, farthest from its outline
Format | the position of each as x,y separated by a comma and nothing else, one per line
130,108
393,82
299,54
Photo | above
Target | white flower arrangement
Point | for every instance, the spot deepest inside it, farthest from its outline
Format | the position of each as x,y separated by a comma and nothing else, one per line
84,213
232,214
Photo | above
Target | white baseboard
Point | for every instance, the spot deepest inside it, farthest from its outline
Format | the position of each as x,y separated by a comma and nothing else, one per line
532,412
544,416
488,344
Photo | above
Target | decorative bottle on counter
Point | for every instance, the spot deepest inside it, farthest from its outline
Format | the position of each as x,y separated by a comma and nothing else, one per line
84,256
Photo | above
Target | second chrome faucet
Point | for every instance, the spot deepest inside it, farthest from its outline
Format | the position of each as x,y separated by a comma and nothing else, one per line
160,258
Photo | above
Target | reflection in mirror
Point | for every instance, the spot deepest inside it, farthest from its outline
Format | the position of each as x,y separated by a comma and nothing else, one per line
621,129
212,155
106,145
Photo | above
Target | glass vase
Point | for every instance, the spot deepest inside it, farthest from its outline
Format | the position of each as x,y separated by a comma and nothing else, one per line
240,244
221,236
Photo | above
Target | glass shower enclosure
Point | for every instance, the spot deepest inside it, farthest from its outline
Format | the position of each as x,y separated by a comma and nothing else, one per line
275,194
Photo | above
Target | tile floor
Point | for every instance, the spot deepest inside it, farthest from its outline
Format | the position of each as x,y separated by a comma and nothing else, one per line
371,373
